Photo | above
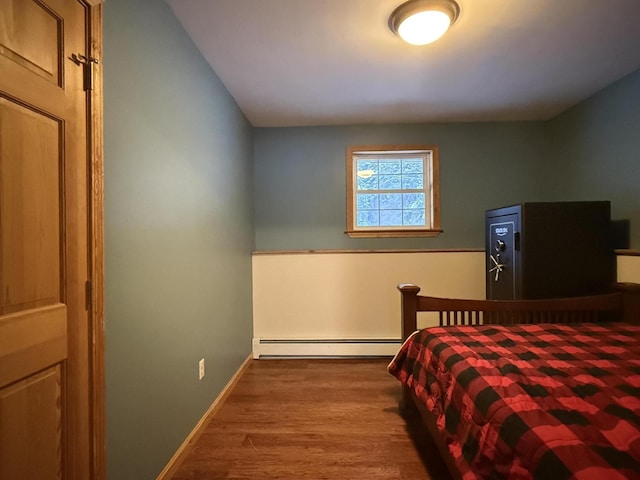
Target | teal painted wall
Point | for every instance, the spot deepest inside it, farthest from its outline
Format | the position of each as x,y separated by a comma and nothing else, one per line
300,199
179,232
588,153
191,188
596,152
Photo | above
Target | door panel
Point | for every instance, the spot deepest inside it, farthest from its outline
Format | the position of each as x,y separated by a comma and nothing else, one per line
45,426
31,427
31,341
29,209
31,36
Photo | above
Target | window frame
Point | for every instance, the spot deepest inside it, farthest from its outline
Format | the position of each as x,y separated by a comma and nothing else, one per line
432,192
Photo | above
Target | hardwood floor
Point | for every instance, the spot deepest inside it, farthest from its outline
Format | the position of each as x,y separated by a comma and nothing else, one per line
312,419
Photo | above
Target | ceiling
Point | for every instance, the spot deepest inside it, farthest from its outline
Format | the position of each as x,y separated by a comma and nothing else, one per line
328,62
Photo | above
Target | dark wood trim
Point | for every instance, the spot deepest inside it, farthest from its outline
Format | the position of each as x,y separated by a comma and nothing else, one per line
630,253
622,253
409,306
324,252
627,253
623,304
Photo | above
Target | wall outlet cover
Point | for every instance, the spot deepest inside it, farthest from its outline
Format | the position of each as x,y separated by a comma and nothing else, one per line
201,369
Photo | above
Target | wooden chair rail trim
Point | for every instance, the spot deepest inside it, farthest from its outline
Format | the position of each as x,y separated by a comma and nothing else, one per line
408,250
330,251
626,252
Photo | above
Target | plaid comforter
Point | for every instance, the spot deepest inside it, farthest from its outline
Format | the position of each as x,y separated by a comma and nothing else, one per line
531,401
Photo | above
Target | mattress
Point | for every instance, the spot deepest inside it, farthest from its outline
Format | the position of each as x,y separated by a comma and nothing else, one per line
541,401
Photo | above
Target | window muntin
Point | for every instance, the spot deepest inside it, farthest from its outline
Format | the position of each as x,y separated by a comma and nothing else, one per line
392,190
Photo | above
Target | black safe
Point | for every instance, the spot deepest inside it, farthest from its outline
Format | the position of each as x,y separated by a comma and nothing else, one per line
548,250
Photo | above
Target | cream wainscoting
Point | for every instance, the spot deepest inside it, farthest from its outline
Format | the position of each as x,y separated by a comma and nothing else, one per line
346,303
629,266
335,303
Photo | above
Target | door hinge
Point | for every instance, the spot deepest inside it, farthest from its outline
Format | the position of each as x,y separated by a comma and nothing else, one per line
87,66
87,294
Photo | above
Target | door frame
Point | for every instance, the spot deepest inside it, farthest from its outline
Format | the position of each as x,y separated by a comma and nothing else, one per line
95,126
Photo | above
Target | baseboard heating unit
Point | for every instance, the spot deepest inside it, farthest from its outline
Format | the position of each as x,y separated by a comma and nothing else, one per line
372,347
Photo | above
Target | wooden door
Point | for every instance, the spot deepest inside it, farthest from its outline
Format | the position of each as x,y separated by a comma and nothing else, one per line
45,348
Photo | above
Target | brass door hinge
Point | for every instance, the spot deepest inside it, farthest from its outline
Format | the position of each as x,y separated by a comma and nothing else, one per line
87,65
88,291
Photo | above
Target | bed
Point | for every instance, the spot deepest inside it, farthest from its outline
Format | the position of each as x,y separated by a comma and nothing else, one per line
542,389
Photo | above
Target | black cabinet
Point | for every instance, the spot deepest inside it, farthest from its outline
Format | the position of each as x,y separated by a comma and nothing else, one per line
548,250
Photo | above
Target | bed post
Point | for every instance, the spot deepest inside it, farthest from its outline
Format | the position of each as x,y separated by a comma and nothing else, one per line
409,307
630,302
409,293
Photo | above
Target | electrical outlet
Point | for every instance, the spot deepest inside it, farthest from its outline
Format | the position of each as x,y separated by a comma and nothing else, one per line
201,368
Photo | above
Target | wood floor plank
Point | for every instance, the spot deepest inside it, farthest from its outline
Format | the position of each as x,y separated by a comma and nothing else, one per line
313,419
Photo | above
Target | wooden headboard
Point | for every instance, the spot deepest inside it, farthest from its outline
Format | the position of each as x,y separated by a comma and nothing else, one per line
621,305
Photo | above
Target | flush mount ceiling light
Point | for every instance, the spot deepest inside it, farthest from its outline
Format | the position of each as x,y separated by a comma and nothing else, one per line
420,22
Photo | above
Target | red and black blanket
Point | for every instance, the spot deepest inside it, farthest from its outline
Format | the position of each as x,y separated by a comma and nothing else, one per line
531,401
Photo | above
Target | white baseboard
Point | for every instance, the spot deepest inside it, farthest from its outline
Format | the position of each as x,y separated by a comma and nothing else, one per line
376,347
